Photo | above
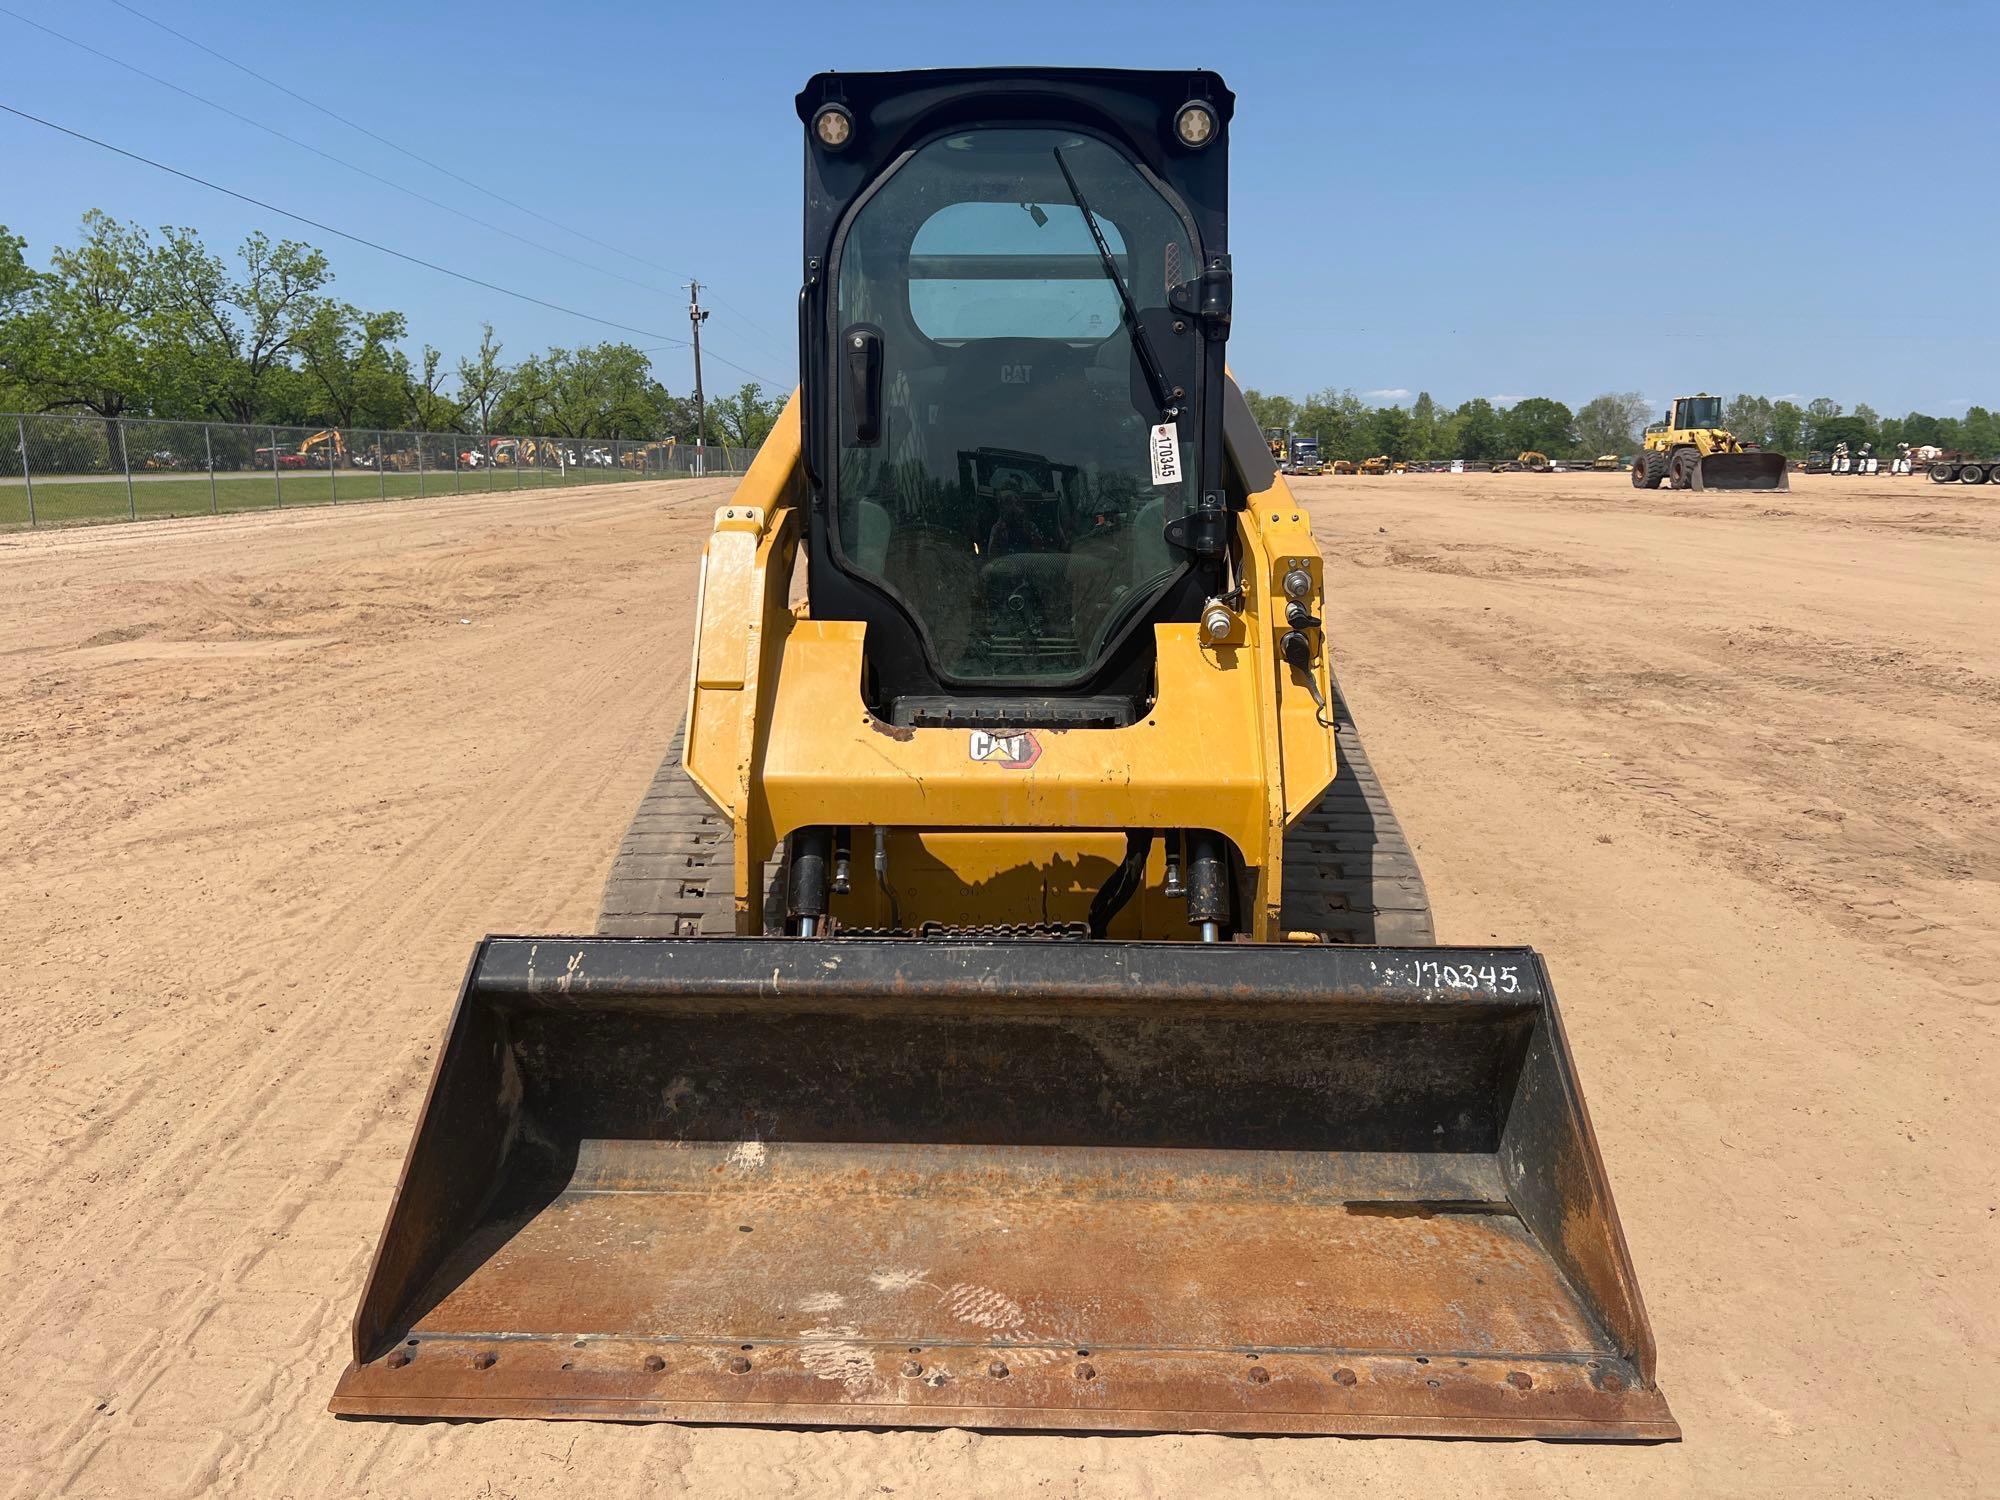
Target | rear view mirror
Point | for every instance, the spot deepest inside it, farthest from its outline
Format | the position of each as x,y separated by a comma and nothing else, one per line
861,399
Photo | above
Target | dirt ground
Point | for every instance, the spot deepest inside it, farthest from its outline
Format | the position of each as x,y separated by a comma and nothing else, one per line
1732,764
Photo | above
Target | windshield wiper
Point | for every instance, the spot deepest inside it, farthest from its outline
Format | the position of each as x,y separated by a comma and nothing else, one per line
1156,375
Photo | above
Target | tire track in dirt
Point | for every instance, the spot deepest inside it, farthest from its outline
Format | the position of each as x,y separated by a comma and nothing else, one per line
303,1076
1782,1101
541,844
1843,757
162,734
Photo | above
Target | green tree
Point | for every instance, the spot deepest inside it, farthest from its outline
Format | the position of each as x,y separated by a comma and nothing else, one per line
234,332
672,416
1787,431
746,418
602,390
1424,426
482,380
1540,425
1335,418
1479,432
1749,418
289,397
1919,430
1272,411
430,409
17,278
89,339
525,403
1979,432
1849,429
360,377
18,285
1610,423
1388,430
1819,411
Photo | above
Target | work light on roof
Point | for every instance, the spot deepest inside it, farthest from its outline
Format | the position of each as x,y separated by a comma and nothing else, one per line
1195,124
834,126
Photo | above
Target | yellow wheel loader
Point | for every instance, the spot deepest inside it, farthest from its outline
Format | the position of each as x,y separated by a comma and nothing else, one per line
1690,449
1014,1005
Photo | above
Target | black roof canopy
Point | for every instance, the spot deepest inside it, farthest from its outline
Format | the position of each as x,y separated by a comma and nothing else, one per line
893,112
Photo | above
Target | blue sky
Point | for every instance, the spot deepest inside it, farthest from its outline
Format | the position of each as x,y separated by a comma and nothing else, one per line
1470,199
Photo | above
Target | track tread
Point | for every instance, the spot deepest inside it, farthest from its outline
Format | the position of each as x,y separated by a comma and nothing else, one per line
1350,874
675,874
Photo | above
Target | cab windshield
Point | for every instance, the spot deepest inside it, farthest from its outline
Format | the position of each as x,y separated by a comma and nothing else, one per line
1702,411
1009,494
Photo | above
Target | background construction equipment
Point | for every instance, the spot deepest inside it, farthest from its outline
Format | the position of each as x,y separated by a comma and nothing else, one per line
1690,449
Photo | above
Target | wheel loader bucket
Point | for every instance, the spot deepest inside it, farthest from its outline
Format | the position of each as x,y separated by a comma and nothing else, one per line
921,1183
1742,471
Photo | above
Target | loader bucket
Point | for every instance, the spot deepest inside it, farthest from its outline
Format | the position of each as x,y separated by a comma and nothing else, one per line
1742,471
920,1183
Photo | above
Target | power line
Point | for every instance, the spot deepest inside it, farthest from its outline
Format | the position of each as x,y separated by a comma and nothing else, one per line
383,139
324,228
425,161
745,327
329,156
736,312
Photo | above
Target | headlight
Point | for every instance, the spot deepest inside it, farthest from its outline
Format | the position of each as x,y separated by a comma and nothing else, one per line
1195,124
834,126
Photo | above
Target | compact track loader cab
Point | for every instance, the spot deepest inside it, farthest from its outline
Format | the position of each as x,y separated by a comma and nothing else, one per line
1014,1004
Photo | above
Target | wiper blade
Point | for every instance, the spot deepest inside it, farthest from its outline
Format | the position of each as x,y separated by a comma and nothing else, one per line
1156,375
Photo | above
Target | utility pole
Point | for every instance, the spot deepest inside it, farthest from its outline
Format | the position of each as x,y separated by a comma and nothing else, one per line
696,317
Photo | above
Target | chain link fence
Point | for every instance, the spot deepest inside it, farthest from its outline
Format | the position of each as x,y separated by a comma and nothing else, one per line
56,470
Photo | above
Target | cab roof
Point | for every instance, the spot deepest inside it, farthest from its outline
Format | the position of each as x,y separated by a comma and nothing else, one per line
1134,108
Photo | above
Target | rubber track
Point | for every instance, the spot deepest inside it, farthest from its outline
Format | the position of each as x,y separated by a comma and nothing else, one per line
1350,874
675,875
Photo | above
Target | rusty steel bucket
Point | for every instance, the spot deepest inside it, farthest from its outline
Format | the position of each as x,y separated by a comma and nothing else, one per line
916,1183
1741,471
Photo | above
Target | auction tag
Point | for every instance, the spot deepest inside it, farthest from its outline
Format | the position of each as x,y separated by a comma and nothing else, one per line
1166,450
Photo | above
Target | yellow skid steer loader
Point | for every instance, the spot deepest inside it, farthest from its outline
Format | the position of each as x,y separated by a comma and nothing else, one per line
1014,1004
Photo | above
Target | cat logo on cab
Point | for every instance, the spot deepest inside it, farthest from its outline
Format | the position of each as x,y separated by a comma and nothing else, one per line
1013,752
